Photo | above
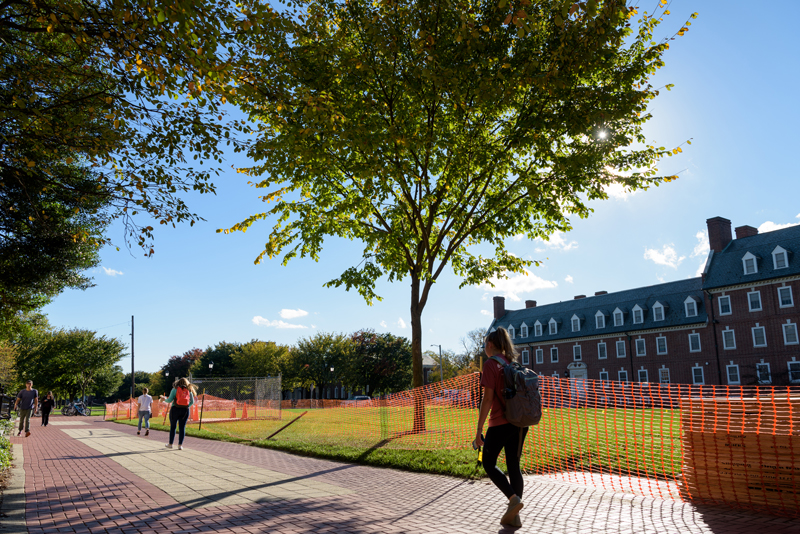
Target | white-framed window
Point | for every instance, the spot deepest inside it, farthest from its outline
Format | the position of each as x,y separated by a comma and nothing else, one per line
754,300
658,312
601,351
554,355
576,353
794,372
780,260
537,329
619,318
663,375
553,327
523,330
728,339
749,264
697,375
642,375
576,323
759,336
694,342
620,349
785,299
512,332
526,358
600,320
790,334
539,355
638,315
641,348
763,373
604,375
724,305
732,371
690,306
661,345
622,374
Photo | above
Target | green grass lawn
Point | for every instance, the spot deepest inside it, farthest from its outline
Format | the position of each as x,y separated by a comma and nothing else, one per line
626,441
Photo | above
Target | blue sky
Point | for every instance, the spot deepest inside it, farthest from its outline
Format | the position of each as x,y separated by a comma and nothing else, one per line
735,74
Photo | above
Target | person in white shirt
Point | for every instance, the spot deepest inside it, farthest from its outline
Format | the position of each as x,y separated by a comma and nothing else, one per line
145,409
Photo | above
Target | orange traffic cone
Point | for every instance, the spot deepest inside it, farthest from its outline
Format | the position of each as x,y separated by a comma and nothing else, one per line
244,411
233,411
195,413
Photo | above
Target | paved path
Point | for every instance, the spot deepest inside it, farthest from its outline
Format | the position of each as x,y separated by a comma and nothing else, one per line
87,476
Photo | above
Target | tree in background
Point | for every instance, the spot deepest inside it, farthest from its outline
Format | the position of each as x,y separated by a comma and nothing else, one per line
473,346
378,363
158,384
7,370
309,363
260,358
123,391
108,381
424,127
222,356
179,366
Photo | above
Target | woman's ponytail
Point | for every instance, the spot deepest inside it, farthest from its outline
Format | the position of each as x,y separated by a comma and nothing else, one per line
502,340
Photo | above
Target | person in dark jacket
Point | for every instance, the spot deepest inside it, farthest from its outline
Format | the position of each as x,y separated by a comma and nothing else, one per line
47,406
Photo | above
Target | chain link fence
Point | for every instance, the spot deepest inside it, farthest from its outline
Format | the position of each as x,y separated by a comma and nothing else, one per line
240,398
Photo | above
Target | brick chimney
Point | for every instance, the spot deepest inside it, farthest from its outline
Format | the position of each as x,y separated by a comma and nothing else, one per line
598,293
530,303
499,307
719,233
579,297
746,231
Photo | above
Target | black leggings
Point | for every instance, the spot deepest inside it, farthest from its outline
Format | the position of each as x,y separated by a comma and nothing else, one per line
178,415
510,438
45,417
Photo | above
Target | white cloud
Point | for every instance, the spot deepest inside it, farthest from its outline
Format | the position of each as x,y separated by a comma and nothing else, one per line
702,247
700,268
619,191
568,278
557,241
112,272
401,323
293,314
768,226
486,312
260,321
666,256
660,279
515,284
383,324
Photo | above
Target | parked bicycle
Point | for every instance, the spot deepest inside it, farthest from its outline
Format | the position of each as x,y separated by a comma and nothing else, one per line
76,408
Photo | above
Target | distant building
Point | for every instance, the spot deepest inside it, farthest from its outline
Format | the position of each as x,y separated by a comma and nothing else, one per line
736,324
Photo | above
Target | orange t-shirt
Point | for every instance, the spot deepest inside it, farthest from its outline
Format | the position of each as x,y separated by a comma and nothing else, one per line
492,377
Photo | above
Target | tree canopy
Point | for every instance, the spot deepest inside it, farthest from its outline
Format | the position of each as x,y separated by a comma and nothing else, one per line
422,128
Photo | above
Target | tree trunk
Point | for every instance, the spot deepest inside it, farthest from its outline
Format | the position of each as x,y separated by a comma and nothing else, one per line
416,357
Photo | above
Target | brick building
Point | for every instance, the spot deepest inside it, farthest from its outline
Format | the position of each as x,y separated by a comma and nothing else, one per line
735,324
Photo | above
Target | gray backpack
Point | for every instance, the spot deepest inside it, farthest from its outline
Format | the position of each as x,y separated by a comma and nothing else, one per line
521,397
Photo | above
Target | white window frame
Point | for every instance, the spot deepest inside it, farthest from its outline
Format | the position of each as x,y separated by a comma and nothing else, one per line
639,375
696,336
661,373
623,349
780,299
727,299
780,251
658,309
639,309
620,373
577,354
745,259
512,332
793,327
523,330
658,347
552,327
690,305
750,304
643,346
758,374
575,319
553,351
540,356
725,346
702,376
600,320
618,313
796,364
604,377
753,333
537,329
605,351
526,357
728,374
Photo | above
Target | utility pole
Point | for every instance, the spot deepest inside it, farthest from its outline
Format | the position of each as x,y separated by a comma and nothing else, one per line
133,372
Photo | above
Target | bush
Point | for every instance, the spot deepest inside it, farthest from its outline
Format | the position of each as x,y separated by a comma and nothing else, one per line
5,445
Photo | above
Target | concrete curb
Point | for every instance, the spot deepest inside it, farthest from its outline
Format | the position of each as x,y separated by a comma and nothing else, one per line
14,497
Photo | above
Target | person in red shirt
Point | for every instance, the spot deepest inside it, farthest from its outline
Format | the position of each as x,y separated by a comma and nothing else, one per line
501,434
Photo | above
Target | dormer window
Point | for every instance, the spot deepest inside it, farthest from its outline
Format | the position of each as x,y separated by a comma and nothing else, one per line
690,305
576,323
780,259
523,330
600,319
512,332
537,328
553,327
658,311
619,317
638,314
749,263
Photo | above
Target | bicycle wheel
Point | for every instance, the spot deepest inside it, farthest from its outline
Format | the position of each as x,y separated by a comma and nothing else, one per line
87,411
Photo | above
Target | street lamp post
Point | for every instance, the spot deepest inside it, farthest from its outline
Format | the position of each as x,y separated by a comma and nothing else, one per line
441,371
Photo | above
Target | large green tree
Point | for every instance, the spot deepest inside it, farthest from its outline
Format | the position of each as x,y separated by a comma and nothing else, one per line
319,360
378,363
260,358
422,128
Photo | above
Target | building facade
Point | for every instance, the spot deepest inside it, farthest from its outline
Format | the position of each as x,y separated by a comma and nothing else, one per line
736,324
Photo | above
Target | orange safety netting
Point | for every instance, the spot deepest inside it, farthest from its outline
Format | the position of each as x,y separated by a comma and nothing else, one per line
210,409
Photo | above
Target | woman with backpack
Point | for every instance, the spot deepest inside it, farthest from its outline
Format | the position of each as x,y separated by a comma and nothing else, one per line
182,398
501,434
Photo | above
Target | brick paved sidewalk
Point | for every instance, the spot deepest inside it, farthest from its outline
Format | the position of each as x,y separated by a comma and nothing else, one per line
83,475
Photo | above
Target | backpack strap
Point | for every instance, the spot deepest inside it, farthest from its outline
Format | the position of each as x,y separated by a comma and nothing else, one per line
501,392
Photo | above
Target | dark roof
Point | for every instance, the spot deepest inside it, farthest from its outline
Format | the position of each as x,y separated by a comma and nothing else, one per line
671,294
726,268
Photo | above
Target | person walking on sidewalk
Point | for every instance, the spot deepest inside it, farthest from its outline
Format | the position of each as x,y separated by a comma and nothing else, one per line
145,402
47,406
27,401
501,434
182,398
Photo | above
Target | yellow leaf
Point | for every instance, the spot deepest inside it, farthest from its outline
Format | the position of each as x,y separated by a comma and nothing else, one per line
486,29
31,164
